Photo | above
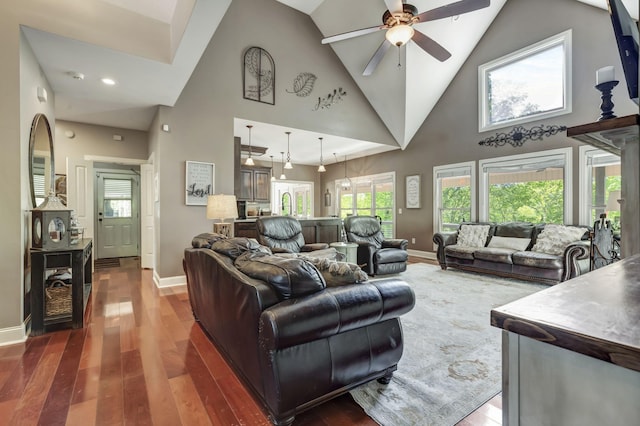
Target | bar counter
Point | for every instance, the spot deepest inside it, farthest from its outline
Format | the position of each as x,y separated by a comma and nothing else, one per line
571,353
314,229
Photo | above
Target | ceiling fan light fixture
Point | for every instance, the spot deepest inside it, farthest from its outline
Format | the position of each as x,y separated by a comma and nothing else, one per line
400,34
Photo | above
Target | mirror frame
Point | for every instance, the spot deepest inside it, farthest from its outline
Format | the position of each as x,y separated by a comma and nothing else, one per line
40,119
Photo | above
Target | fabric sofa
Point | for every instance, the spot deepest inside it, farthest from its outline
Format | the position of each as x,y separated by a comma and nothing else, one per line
295,339
535,252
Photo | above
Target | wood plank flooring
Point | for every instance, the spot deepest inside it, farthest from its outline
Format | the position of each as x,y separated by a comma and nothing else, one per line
142,360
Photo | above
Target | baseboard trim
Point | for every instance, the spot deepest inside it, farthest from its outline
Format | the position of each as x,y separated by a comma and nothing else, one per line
423,254
169,281
13,335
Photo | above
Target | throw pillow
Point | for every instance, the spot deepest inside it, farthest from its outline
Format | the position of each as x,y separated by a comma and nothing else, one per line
473,235
513,243
338,273
291,277
554,239
234,247
205,239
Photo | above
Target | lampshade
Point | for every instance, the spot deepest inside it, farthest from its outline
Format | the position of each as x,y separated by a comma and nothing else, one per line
220,206
273,177
612,203
399,34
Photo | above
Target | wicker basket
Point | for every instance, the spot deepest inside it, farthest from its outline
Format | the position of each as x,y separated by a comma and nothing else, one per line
57,298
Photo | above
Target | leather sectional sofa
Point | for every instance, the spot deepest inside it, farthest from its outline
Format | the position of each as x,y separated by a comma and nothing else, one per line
520,250
294,341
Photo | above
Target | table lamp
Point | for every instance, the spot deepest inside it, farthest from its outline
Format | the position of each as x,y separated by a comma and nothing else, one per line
221,207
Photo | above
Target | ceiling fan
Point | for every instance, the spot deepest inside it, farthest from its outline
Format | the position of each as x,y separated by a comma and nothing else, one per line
399,26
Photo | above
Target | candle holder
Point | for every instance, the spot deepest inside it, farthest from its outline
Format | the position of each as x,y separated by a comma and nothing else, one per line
607,105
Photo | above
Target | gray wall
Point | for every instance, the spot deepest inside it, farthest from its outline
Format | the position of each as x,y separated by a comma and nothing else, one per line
97,140
202,120
450,133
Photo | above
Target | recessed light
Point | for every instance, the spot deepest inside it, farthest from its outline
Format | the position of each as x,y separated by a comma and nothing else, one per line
108,81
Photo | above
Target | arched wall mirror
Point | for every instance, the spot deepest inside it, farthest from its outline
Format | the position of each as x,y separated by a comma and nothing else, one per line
41,162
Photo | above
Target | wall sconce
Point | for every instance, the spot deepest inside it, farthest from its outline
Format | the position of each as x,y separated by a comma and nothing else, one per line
327,198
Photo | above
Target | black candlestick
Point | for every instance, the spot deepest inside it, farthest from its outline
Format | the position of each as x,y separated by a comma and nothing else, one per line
607,105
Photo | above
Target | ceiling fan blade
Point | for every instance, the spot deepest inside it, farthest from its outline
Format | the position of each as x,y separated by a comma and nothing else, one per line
351,34
393,6
376,58
431,46
453,9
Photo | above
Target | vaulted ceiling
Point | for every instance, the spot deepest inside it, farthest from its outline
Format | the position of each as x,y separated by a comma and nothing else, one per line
103,38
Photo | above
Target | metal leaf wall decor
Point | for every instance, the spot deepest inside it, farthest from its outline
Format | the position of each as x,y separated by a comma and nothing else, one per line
519,135
259,76
331,99
303,84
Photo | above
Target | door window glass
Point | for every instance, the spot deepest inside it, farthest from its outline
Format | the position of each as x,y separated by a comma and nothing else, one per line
117,198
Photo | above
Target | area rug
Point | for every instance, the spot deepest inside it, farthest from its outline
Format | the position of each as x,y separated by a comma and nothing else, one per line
451,363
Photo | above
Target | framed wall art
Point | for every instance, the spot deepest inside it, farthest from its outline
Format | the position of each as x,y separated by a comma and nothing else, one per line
413,191
199,181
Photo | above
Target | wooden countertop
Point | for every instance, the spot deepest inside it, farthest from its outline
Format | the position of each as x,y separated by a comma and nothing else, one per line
596,314
301,219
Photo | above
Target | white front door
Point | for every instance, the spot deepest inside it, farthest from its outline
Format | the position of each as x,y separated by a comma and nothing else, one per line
118,216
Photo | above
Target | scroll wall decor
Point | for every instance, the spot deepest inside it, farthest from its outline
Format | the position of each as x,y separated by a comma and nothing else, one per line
519,135
259,76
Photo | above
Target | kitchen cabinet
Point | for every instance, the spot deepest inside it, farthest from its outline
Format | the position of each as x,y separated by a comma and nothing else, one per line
255,184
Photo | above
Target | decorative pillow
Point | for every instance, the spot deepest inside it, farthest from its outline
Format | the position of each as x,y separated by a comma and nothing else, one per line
555,238
513,243
205,239
473,235
291,277
234,247
338,273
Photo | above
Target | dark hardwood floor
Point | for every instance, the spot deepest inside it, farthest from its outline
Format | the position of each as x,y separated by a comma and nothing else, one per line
142,360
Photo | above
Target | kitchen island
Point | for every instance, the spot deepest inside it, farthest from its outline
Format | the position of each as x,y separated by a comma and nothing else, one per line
571,353
314,229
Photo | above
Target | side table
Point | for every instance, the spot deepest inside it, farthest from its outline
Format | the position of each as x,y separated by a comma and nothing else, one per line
349,249
44,262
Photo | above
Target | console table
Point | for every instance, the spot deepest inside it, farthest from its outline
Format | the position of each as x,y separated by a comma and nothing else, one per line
43,262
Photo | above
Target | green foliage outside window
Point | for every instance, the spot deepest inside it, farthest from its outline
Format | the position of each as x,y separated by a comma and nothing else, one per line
455,206
537,202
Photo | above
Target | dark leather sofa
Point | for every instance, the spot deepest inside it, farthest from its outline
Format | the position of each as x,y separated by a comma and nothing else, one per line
293,341
522,263
376,254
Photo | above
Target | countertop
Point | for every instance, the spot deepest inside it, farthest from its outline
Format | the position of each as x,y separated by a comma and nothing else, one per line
596,314
253,219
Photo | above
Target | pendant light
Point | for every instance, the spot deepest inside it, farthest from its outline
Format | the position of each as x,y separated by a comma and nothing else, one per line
249,161
282,176
272,176
288,164
321,166
345,185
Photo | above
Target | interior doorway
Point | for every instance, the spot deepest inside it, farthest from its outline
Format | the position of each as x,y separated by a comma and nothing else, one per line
117,213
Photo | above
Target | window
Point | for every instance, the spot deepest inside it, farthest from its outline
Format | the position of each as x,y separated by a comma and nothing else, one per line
117,198
454,195
370,196
531,187
292,198
531,84
600,183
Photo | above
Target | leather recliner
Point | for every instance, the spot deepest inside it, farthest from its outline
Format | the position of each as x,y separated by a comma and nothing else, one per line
283,234
376,255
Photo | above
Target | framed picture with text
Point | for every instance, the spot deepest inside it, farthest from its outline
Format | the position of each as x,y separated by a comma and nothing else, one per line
413,191
199,182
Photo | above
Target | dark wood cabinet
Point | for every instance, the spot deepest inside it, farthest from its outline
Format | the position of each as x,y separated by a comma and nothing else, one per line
319,230
255,184
78,260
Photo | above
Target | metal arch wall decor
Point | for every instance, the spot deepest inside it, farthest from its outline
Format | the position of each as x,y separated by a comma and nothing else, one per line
259,76
519,135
